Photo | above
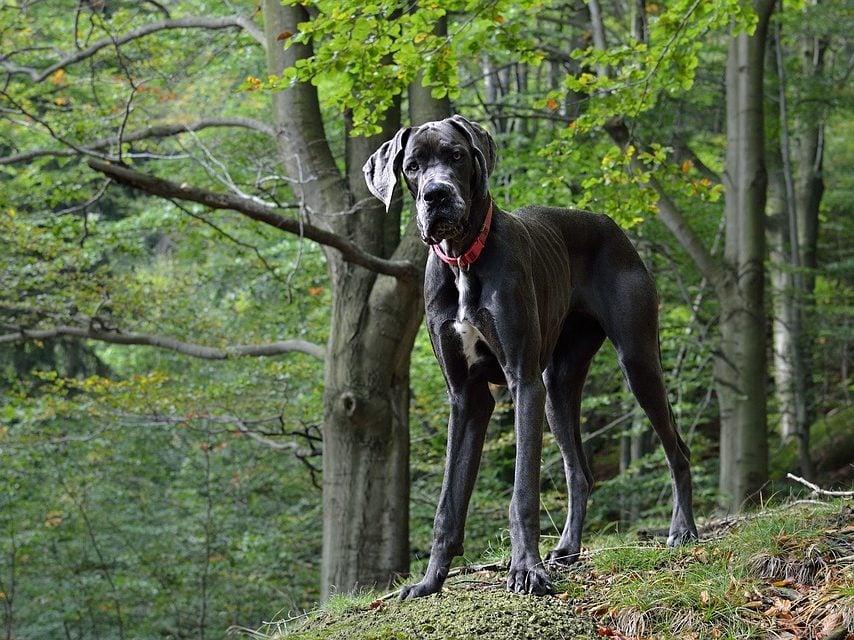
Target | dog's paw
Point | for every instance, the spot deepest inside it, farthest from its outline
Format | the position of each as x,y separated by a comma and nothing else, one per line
561,557
533,580
682,535
423,588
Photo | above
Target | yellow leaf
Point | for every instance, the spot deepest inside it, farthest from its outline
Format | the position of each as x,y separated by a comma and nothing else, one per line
701,555
53,519
58,77
687,165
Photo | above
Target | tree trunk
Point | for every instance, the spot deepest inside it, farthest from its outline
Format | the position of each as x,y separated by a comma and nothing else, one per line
787,279
740,366
808,152
373,324
781,278
366,433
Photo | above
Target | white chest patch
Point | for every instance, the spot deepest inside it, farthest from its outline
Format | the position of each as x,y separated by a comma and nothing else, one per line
469,335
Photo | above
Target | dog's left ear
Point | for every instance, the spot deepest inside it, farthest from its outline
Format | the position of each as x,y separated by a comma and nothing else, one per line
383,167
483,146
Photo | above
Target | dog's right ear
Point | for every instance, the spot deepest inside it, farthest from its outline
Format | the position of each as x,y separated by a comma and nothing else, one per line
383,167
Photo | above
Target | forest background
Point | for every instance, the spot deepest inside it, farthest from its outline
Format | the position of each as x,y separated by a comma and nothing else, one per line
212,363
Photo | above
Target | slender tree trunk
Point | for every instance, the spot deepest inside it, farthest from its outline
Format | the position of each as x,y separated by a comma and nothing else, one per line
740,366
782,290
808,158
787,279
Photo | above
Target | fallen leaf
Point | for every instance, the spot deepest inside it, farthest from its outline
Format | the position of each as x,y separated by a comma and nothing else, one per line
830,624
700,555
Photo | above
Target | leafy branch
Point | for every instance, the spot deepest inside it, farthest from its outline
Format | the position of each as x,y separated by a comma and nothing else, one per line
193,22
351,252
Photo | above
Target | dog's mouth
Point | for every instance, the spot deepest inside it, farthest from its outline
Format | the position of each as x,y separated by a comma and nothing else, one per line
442,230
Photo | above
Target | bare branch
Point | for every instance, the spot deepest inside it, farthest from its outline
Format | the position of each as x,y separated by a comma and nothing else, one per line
152,132
818,490
171,344
351,252
225,22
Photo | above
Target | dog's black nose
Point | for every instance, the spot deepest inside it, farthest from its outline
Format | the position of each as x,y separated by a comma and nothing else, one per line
436,193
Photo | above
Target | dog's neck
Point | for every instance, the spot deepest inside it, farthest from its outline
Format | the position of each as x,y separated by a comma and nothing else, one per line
466,250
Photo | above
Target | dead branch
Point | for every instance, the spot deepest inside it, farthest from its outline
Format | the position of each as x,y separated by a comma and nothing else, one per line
165,342
818,490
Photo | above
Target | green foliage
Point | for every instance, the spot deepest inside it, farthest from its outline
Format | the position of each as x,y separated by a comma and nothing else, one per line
136,502
365,55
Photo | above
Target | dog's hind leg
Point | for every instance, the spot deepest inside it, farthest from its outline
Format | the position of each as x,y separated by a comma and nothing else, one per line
638,351
564,377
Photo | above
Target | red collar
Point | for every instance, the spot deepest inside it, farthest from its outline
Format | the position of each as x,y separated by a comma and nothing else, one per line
473,252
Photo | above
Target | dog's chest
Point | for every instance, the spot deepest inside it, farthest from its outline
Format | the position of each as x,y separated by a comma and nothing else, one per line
470,336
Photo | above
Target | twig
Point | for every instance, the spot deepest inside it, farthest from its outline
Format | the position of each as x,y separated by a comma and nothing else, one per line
818,490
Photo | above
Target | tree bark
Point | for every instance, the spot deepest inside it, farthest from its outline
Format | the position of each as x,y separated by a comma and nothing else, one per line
740,365
373,323
787,279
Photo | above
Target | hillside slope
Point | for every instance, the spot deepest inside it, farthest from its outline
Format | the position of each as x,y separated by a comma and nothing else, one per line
780,574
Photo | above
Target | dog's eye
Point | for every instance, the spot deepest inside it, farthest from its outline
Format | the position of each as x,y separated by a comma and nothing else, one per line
412,167
456,156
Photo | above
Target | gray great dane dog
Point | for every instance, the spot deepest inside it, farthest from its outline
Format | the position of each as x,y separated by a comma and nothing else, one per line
523,299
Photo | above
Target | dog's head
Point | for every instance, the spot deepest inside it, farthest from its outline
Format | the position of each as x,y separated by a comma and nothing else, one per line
446,166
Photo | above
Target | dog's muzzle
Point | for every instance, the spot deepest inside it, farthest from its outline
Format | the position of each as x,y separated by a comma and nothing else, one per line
441,213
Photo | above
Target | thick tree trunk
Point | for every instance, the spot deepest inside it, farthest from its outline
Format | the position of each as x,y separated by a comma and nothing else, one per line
740,367
373,324
366,435
366,423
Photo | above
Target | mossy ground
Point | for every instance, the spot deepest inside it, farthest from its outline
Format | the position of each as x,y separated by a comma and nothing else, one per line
783,574
463,611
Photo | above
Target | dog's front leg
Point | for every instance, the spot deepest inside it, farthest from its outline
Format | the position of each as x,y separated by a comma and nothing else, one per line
471,407
527,573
